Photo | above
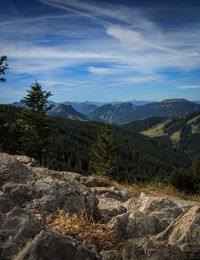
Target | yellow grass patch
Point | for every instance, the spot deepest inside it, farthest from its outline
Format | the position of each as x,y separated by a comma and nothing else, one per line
156,131
176,136
193,120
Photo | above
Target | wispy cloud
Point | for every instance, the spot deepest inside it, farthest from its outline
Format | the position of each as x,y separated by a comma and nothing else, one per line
188,87
141,79
105,44
139,45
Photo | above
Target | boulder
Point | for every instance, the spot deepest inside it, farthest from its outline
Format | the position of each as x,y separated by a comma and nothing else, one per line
162,208
16,228
134,225
21,237
184,232
51,245
40,190
148,249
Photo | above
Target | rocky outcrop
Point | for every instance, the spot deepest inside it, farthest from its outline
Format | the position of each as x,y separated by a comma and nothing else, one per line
147,227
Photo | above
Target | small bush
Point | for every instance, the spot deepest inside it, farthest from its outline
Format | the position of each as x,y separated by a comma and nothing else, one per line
183,179
81,227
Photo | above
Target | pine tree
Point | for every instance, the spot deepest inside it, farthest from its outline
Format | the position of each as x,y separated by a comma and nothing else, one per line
102,157
3,67
33,123
195,170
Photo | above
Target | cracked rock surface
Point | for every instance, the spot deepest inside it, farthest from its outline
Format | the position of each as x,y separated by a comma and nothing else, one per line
147,227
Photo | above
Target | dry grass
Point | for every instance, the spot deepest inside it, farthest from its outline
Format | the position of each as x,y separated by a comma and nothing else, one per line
107,181
151,188
159,189
176,136
194,119
81,227
156,130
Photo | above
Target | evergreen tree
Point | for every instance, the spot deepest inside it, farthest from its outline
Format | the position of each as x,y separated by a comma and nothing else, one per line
103,161
183,180
195,169
3,67
33,123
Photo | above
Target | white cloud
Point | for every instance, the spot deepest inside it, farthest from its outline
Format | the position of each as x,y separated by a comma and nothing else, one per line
141,79
67,83
117,43
109,70
126,36
188,87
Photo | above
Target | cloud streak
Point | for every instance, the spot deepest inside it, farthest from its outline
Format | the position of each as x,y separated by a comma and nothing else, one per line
104,44
188,87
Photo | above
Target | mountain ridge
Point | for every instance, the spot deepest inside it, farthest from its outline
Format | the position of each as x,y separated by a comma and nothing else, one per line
125,112
67,111
115,114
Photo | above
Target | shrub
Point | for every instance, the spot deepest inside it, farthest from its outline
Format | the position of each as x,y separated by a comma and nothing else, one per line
183,179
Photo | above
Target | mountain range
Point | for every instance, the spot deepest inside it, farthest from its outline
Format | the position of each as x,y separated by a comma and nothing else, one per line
122,113
127,112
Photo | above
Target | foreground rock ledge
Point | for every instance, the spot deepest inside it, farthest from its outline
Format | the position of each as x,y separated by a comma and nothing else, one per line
146,227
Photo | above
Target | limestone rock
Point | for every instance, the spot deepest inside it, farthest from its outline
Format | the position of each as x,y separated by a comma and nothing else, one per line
163,208
184,232
26,160
40,189
111,255
91,182
51,245
134,225
21,237
148,249
16,229
145,228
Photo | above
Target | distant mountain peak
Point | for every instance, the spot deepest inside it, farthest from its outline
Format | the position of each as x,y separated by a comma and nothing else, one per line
174,100
67,111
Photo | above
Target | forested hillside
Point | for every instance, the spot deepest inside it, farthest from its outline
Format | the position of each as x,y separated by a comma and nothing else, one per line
144,124
180,132
138,157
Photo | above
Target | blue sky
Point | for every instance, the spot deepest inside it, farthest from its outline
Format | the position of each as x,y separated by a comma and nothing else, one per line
101,50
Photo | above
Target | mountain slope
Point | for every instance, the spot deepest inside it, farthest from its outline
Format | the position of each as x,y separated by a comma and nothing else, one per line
182,132
116,114
138,157
169,108
82,107
67,111
127,112
144,124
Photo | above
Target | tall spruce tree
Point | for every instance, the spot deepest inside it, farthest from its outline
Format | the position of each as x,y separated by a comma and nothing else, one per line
102,156
33,123
3,67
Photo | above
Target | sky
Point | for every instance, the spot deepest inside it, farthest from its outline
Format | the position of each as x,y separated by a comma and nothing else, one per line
109,50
